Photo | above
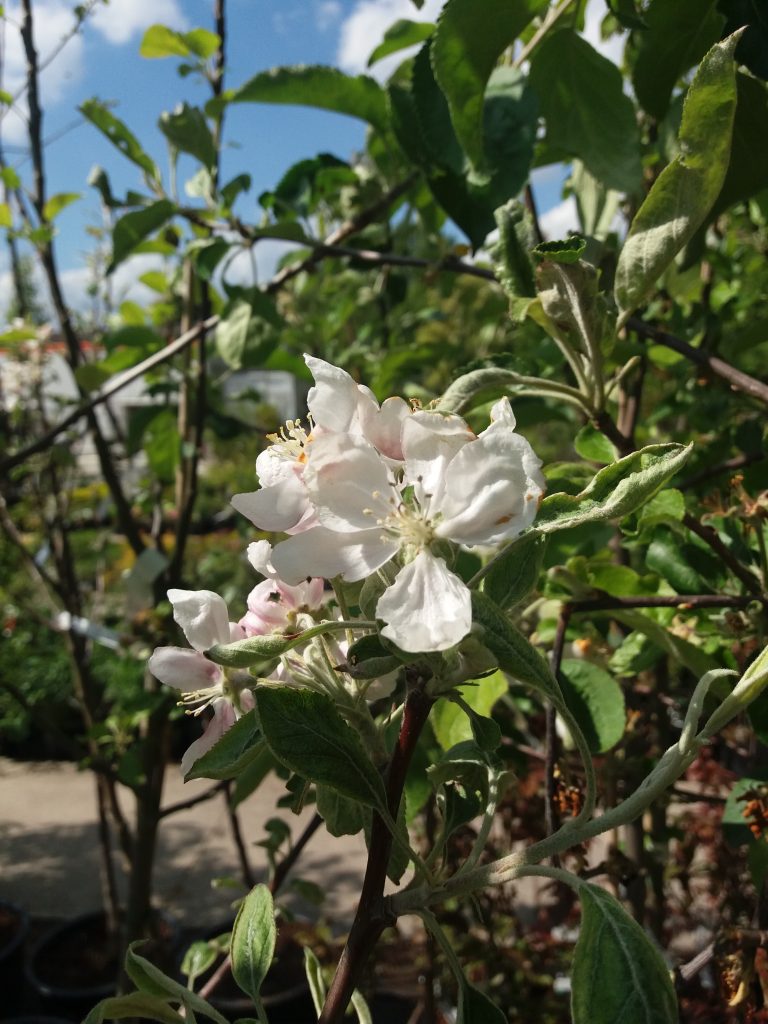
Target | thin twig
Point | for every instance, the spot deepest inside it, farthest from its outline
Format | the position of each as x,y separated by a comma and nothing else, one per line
552,744
193,801
737,379
711,537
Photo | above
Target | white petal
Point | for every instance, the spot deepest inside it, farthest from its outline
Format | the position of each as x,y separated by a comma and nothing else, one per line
260,557
427,608
274,467
327,553
267,610
183,669
430,441
334,398
348,483
492,489
202,615
276,508
223,719
384,427
502,413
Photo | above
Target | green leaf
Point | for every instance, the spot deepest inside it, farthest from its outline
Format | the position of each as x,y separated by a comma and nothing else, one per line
119,135
134,336
318,86
684,192
9,177
242,335
596,701
514,572
315,980
588,116
57,203
161,41
633,984
400,35
240,745
342,816
676,36
202,42
592,444
187,130
748,167
515,655
477,1008
566,251
134,227
668,506
676,562
616,490
153,982
688,654
752,50
253,940
471,35
6,216
197,959
368,658
452,725
136,1004
251,776
307,734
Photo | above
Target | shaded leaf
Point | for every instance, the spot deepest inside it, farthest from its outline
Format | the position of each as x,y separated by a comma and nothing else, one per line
477,1008
187,130
136,1004
592,444
451,724
515,570
307,734
582,99
153,982
57,203
596,701
228,757
134,227
252,946
633,984
676,37
471,35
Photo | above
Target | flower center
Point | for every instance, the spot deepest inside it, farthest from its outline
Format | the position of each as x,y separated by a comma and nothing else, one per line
411,525
292,438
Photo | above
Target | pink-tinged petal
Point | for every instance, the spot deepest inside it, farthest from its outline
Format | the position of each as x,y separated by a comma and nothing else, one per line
430,441
223,719
260,557
327,553
202,615
236,632
427,608
184,669
348,483
277,508
384,427
266,602
334,398
492,489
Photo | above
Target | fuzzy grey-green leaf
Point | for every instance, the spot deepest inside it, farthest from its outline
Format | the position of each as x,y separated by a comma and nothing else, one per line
687,188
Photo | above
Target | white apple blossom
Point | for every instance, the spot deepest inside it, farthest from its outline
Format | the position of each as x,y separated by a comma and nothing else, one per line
451,487
337,404
204,619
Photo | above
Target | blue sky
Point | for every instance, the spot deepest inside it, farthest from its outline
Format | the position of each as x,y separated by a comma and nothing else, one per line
264,140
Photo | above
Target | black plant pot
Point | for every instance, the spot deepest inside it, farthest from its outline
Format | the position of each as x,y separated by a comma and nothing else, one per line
73,966
14,925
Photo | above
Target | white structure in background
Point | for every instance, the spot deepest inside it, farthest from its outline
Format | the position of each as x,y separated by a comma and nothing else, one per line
41,368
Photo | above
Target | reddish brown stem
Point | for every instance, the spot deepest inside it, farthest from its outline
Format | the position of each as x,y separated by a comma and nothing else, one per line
372,917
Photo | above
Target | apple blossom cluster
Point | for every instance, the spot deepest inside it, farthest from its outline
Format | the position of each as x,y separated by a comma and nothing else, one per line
363,487
366,485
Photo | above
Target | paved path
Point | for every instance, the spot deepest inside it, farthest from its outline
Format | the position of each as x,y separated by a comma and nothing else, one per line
49,861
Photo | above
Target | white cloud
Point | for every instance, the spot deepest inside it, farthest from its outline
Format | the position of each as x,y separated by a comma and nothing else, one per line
327,13
557,222
53,20
364,28
613,46
123,19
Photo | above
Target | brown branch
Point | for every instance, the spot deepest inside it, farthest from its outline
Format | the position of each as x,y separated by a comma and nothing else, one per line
684,602
372,917
237,837
193,801
710,537
728,466
737,379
